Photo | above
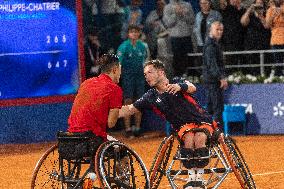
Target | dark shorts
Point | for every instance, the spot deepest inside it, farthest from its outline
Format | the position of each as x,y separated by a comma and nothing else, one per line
133,86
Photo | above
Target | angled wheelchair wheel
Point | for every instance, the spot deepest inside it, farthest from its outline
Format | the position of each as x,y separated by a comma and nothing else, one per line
238,164
159,165
97,163
46,173
118,166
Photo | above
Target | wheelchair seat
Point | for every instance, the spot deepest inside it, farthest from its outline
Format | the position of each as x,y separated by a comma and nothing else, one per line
76,152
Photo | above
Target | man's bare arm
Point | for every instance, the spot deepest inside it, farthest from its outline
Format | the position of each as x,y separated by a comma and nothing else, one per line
127,110
112,117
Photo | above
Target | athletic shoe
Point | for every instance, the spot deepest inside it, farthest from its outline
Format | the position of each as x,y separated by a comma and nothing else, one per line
194,185
128,133
137,132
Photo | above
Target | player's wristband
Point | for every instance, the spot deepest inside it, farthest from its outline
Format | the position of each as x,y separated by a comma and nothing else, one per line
183,86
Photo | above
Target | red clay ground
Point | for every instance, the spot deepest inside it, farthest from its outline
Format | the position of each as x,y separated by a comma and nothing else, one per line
264,155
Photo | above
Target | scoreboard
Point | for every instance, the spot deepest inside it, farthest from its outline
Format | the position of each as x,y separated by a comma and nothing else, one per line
39,54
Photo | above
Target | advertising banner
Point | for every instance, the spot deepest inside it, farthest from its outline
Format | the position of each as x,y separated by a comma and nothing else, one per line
264,105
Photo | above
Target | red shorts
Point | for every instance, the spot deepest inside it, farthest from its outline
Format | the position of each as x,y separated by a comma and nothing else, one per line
187,127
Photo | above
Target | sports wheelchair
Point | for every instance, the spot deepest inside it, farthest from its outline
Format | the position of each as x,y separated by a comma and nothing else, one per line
224,158
81,161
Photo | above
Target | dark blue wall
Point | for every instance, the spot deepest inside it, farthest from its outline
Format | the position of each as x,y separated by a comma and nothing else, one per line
264,105
36,123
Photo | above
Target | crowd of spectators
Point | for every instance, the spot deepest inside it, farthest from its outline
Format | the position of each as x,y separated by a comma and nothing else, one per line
174,28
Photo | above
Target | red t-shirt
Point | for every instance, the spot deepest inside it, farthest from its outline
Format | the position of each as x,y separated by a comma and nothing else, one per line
96,96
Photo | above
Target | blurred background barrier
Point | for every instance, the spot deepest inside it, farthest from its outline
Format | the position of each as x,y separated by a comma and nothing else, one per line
264,105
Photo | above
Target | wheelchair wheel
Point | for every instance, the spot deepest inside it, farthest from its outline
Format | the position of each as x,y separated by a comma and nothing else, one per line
158,168
118,166
46,173
238,164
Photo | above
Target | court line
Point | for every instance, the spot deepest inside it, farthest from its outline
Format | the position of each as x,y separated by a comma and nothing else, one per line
259,174
262,174
268,173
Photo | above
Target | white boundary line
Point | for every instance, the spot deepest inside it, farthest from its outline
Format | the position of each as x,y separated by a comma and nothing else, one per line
259,174
262,174
268,173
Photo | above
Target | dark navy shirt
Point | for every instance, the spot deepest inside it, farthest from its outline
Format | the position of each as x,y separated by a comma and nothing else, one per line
178,109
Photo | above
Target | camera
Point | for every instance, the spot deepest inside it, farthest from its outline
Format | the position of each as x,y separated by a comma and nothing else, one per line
277,3
258,7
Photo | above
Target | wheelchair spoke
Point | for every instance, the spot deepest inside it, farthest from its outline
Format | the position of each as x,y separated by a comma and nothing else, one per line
46,174
120,167
53,173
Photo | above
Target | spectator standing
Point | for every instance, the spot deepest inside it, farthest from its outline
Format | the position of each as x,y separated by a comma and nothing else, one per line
132,54
275,21
203,20
154,26
233,37
158,37
98,101
92,51
214,72
179,19
91,14
164,53
110,15
195,6
132,15
257,36
88,18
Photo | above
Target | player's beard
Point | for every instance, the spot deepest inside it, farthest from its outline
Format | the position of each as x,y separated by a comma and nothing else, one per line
158,83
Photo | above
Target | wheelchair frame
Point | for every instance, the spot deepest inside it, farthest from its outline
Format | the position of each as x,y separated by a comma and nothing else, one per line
52,171
224,158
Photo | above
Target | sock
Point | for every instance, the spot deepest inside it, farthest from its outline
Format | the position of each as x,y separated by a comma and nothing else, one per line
191,175
199,174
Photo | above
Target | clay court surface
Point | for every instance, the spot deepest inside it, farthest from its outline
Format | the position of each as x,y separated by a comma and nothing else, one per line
264,155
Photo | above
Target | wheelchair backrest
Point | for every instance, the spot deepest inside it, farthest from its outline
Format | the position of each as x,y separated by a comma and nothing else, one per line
77,145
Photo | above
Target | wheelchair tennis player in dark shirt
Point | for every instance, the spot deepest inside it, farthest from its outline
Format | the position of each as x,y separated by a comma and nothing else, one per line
173,101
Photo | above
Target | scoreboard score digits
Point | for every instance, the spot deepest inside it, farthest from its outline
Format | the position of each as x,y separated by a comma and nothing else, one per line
38,48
